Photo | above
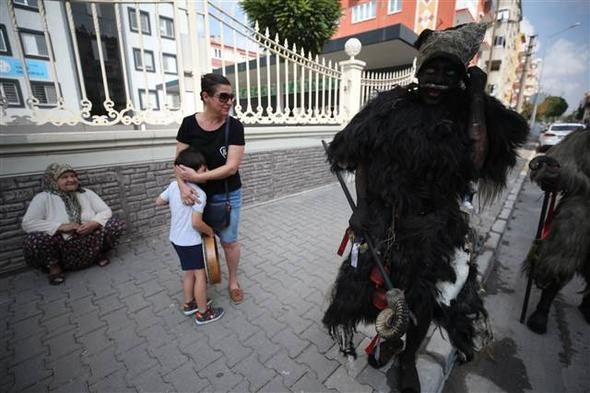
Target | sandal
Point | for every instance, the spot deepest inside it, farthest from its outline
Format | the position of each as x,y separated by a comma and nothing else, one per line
103,262
236,295
56,278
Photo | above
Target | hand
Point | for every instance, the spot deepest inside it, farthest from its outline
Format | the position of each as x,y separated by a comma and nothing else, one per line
546,172
477,80
358,222
209,232
87,228
188,194
189,174
69,227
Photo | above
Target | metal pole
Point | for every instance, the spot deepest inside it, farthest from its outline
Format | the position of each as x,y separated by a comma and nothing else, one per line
529,283
370,243
539,90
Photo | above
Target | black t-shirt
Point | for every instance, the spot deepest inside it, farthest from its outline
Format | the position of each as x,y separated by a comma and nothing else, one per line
212,145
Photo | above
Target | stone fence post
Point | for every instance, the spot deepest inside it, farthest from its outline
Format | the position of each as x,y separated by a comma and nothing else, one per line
350,87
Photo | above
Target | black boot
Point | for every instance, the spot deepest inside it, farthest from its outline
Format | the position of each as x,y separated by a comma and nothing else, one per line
584,308
408,375
537,322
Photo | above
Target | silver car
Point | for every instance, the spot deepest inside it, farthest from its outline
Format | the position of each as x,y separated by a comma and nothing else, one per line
555,133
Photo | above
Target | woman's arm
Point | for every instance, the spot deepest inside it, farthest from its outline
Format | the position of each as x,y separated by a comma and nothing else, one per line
187,194
35,220
231,166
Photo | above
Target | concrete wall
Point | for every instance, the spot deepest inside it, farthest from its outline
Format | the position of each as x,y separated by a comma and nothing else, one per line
130,190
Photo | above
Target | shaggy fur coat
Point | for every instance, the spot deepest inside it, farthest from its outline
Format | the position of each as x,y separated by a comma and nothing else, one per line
416,159
566,251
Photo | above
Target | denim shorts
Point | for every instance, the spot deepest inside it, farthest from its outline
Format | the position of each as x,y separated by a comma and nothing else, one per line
191,257
229,234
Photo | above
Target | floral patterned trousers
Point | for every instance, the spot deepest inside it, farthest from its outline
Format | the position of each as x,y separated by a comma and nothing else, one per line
42,250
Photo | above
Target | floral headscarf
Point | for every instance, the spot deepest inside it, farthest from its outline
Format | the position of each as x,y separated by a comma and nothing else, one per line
70,199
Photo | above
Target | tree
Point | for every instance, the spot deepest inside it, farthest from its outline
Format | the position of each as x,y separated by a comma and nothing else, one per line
553,107
305,23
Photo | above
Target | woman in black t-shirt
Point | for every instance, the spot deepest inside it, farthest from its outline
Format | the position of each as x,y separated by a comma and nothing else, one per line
205,132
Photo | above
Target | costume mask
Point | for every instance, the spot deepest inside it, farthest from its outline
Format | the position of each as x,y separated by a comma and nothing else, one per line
437,79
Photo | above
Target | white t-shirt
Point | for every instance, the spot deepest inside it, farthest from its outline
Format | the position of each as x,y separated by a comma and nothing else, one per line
182,232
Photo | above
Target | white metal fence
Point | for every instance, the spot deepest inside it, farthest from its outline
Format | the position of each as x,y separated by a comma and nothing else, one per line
112,62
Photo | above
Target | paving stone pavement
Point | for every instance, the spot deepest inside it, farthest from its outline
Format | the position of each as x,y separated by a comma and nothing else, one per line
120,328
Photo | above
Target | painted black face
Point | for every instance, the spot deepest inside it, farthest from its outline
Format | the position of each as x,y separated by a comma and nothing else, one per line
437,78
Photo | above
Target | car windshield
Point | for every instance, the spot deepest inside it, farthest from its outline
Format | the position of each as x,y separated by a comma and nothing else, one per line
566,127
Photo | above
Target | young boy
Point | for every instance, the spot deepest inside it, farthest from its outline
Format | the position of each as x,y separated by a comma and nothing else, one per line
186,227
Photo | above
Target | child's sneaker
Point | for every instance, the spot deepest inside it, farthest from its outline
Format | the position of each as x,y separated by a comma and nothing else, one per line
212,314
191,307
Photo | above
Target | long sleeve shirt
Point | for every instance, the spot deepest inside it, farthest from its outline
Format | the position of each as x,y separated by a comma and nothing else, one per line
47,212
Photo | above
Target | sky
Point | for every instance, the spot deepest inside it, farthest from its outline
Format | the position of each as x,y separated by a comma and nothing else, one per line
566,54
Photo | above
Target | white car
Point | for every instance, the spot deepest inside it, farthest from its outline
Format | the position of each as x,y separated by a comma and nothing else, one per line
555,133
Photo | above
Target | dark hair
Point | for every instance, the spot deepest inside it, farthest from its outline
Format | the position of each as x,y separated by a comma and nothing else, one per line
210,81
191,158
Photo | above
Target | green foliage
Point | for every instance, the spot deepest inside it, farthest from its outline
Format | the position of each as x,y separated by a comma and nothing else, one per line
552,107
305,23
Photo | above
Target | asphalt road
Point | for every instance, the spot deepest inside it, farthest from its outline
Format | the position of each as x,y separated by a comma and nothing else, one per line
519,360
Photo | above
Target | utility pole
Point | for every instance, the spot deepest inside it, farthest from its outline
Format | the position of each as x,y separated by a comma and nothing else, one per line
527,55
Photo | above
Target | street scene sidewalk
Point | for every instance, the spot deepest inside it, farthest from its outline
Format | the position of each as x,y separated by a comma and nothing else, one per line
121,328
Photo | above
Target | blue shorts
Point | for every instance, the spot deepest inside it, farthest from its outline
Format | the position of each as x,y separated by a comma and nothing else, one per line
191,257
229,234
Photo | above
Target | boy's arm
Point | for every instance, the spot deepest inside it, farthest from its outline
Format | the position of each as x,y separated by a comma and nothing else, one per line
161,202
200,225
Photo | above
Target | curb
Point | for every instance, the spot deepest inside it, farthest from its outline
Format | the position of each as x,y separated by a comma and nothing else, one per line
436,359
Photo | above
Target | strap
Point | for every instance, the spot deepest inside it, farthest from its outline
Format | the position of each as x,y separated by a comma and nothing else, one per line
227,120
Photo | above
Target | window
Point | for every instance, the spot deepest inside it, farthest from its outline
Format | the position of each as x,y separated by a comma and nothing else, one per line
28,4
10,91
500,41
152,97
44,92
144,19
217,53
105,54
169,63
4,43
148,56
173,100
98,10
364,11
496,64
394,6
503,15
34,44
166,27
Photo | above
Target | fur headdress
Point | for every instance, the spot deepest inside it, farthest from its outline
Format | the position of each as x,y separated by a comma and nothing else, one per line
458,44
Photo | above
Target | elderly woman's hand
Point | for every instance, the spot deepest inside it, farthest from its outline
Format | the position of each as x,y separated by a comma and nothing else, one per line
69,227
87,228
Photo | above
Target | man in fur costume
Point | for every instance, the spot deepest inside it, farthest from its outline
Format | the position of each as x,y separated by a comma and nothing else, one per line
415,150
566,251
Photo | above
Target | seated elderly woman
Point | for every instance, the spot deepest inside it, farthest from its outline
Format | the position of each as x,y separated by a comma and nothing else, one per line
68,227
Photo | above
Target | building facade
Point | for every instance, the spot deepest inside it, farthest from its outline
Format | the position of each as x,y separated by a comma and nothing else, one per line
501,58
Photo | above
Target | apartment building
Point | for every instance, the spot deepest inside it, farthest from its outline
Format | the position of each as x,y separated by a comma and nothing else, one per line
388,29
530,69
109,54
501,59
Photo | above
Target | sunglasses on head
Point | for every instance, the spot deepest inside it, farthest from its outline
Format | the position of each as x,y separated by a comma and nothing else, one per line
225,97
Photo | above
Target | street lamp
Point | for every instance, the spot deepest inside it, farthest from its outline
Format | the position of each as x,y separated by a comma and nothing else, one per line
536,101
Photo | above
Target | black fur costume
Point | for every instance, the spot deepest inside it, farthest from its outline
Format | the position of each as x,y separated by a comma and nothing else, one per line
566,251
417,163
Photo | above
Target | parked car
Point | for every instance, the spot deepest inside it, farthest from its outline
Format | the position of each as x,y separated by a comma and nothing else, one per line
555,133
